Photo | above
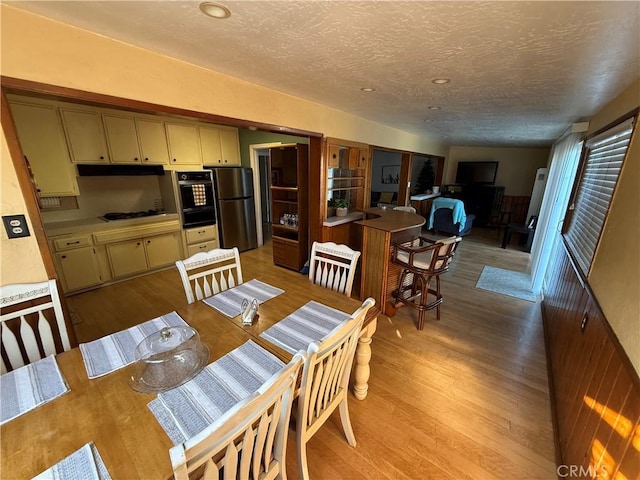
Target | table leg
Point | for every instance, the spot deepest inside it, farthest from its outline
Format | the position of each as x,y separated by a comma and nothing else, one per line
363,356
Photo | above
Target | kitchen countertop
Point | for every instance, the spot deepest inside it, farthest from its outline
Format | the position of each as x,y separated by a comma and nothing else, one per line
391,220
424,196
349,217
94,224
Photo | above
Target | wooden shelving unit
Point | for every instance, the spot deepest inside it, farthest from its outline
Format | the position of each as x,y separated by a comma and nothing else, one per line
289,171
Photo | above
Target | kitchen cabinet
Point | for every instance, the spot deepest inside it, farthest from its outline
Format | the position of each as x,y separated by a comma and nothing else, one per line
201,239
43,144
76,258
162,250
184,144
122,139
127,258
229,145
153,141
220,146
85,135
78,268
136,140
139,255
138,249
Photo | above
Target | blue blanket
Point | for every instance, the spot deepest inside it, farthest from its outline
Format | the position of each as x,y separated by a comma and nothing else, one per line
459,215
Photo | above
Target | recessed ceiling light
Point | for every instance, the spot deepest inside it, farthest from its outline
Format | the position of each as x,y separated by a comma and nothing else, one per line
435,107
368,89
440,81
215,10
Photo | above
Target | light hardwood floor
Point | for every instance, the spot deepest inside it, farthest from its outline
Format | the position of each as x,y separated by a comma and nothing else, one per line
467,397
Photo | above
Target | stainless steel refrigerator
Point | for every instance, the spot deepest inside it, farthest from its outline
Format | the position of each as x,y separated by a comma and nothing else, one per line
235,206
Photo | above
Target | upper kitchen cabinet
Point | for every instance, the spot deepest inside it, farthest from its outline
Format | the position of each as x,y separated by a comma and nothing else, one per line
136,140
43,144
85,135
184,144
220,146
153,141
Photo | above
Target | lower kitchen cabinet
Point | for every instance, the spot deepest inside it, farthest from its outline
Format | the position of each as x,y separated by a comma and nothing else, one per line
79,268
139,255
201,239
127,258
162,250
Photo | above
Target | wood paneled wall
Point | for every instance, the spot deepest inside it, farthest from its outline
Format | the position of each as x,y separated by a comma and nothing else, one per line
595,390
518,206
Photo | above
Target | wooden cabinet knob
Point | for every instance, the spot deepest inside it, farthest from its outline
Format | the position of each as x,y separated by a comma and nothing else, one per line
136,159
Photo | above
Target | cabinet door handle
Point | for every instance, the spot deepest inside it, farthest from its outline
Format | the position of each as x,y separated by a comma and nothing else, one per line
201,232
138,244
101,157
174,159
63,256
148,242
73,243
146,159
136,159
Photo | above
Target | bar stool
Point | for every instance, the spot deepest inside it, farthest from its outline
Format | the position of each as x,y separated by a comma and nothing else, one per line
422,261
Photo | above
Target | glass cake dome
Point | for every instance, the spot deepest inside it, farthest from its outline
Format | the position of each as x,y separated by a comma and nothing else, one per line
168,358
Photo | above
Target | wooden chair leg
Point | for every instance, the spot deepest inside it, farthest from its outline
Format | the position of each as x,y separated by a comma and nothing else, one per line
346,422
302,458
438,297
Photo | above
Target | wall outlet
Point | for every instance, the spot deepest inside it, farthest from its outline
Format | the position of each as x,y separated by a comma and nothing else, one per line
16,226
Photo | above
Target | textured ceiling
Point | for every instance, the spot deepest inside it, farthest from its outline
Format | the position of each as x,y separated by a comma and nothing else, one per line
520,72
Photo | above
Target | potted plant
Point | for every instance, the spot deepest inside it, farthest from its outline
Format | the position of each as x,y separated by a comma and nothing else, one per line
342,207
331,208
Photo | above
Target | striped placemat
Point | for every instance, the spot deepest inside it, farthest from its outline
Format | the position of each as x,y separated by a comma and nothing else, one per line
311,322
30,386
110,353
83,464
229,302
186,410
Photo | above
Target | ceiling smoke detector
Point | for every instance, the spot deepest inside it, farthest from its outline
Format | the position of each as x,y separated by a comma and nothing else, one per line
215,10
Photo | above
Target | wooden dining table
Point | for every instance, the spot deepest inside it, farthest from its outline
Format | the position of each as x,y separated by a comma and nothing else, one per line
109,413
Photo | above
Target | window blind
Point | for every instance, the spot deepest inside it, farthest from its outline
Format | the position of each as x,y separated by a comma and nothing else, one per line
603,161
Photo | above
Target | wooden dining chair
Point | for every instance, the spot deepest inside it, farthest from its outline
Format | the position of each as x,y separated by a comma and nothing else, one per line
32,323
333,266
249,441
325,383
207,273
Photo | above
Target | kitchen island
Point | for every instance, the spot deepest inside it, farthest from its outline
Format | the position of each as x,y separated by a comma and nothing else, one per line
381,228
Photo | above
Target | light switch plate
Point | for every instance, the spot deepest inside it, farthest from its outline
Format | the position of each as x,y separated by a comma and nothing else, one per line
16,226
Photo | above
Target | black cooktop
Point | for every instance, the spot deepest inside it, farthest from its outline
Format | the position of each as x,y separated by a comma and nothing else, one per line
127,215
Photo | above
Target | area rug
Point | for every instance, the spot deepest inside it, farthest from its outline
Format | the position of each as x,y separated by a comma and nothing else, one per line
506,282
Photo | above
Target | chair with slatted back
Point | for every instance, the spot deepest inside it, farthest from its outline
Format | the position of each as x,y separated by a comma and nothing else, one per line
325,382
249,441
29,311
333,266
207,273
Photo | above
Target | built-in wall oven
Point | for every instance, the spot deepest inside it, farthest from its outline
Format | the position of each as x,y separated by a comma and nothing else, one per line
195,190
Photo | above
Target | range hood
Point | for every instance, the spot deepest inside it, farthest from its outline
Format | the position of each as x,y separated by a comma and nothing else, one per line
119,170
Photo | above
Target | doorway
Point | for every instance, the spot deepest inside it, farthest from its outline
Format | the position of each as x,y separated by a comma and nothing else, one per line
259,158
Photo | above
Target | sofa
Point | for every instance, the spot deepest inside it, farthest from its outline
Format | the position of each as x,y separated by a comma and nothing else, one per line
384,197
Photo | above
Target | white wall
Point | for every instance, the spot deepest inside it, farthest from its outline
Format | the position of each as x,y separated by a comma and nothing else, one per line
382,158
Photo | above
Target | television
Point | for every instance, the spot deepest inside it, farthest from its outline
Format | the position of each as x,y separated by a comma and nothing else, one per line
476,173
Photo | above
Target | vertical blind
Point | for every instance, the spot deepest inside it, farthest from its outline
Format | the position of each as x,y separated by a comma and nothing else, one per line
603,161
